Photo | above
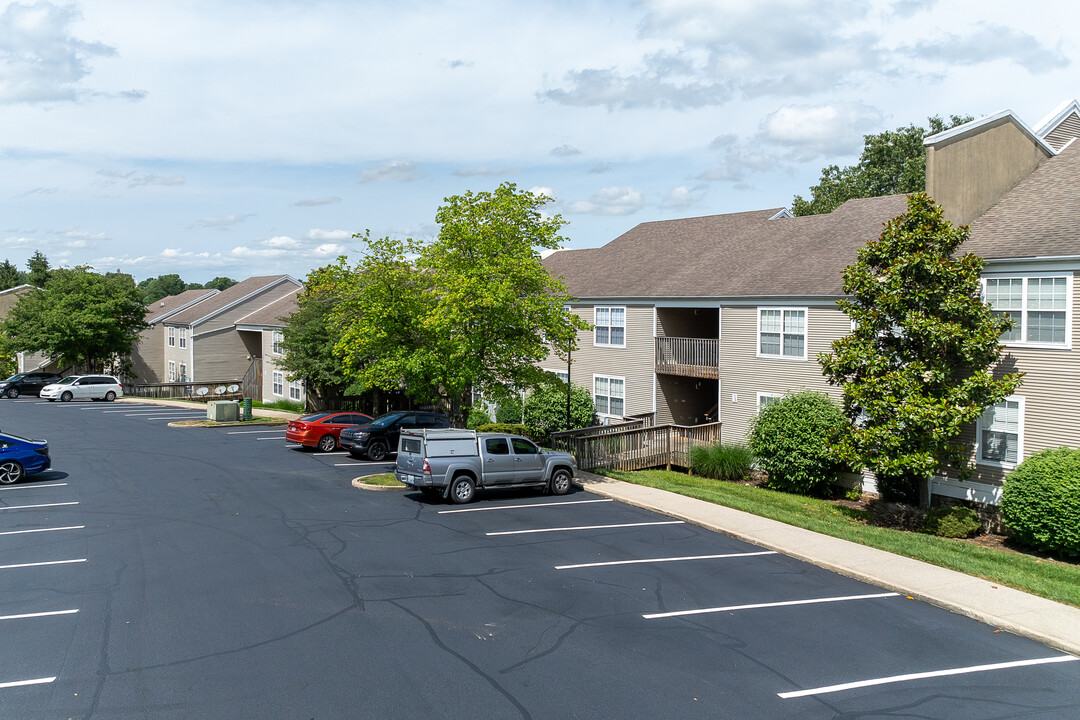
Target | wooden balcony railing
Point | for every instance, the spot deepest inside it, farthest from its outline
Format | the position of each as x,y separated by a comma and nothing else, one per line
636,447
688,357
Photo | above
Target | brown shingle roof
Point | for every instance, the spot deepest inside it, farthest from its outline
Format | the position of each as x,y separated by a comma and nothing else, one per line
1038,217
739,254
270,315
223,299
166,305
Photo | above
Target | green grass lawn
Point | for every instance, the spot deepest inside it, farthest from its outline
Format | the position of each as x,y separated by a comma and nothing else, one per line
387,479
1047,578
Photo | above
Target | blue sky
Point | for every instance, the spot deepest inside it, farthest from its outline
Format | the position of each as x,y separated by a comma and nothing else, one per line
239,138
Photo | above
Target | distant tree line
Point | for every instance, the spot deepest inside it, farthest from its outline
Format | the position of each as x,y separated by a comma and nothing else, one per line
153,289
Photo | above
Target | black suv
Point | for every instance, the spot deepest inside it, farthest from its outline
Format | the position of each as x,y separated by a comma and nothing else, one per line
26,383
380,436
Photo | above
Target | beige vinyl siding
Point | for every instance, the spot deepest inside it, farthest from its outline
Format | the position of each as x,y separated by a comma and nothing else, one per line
634,362
176,354
148,355
270,366
220,355
744,374
229,317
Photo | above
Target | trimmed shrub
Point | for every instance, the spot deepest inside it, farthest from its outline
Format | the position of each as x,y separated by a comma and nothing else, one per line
792,439
1041,502
722,462
509,410
952,521
477,417
545,410
508,428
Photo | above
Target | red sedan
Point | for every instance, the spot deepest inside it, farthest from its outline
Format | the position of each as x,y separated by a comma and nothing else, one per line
321,430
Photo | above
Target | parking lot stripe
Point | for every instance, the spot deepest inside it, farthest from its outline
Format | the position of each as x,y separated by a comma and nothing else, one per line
251,432
50,613
586,527
27,507
755,606
660,560
31,487
530,505
39,564
23,532
923,675
21,683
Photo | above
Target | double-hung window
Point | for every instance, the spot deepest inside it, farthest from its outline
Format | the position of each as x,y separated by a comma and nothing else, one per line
279,383
278,340
609,395
1038,305
296,389
1000,433
172,337
782,332
609,326
172,371
183,337
183,372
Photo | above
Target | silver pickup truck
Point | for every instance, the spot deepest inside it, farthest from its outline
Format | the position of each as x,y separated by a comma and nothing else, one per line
454,463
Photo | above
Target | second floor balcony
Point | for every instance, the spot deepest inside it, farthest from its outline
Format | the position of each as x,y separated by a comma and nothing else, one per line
688,357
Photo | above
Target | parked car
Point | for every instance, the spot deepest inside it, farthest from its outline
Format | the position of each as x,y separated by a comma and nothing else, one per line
81,387
455,463
321,430
21,456
380,436
26,383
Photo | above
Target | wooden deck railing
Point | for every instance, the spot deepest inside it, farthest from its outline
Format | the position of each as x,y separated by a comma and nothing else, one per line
688,357
636,448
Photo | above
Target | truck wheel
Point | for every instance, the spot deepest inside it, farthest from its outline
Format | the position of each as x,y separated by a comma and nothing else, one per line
462,490
560,482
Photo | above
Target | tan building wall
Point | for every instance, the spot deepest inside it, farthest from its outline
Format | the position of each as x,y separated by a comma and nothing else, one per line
147,358
968,173
177,355
220,355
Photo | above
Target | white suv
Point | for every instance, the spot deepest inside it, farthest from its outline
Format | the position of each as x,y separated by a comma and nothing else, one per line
80,387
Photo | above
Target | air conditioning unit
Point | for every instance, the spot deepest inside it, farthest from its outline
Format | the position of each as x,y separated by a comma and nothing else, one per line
223,410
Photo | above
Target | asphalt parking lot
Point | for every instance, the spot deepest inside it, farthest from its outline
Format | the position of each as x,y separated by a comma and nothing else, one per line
217,573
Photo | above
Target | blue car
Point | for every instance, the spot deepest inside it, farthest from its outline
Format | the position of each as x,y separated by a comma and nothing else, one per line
20,457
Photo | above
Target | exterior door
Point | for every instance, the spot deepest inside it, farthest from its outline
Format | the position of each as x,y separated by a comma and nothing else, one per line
498,462
528,462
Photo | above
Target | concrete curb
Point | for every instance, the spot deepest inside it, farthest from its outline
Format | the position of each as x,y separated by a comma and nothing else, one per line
1046,621
361,485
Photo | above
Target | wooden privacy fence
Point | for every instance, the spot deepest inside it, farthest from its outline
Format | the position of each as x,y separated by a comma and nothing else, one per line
205,391
617,447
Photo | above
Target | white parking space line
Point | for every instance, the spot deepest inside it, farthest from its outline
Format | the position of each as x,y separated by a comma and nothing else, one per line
21,683
27,507
200,416
24,532
586,527
663,560
40,564
755,606
31,487
358,464
50,613
920,676
530,505
273,438
252,432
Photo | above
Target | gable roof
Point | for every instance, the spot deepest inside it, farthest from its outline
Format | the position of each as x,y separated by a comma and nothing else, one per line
228,298
977,125
270,315
1061,126
166,306
1038,217
735,255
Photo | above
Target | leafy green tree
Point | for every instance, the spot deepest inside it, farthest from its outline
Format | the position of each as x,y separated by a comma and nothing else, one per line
10,276
218,283
919,365
892,162
80,318
476,309
39,273
545,410
310,333
153,289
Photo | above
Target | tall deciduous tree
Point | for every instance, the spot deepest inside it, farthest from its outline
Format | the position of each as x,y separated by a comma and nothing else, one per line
920,363
80,318
892,162
38,266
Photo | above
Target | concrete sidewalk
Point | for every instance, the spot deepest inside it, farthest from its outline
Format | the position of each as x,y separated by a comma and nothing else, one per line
261,412
1044,620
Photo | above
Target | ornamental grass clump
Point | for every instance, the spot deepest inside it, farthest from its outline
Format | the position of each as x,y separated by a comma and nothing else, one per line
792,439
1041,502
730,462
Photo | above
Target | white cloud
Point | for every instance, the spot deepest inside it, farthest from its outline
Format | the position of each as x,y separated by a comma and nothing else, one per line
541,191
812,131
321,235
611,201
682,196
393,171
565,151
282,241
224,221
315,202
329,250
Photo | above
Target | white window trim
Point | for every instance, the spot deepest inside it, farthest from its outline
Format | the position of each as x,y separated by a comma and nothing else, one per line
767,395
806,333
277,383
609,344
1025,276
557,373
1018,399
182,375
183,338
172,337
622,379
298,386
172,371
277,338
